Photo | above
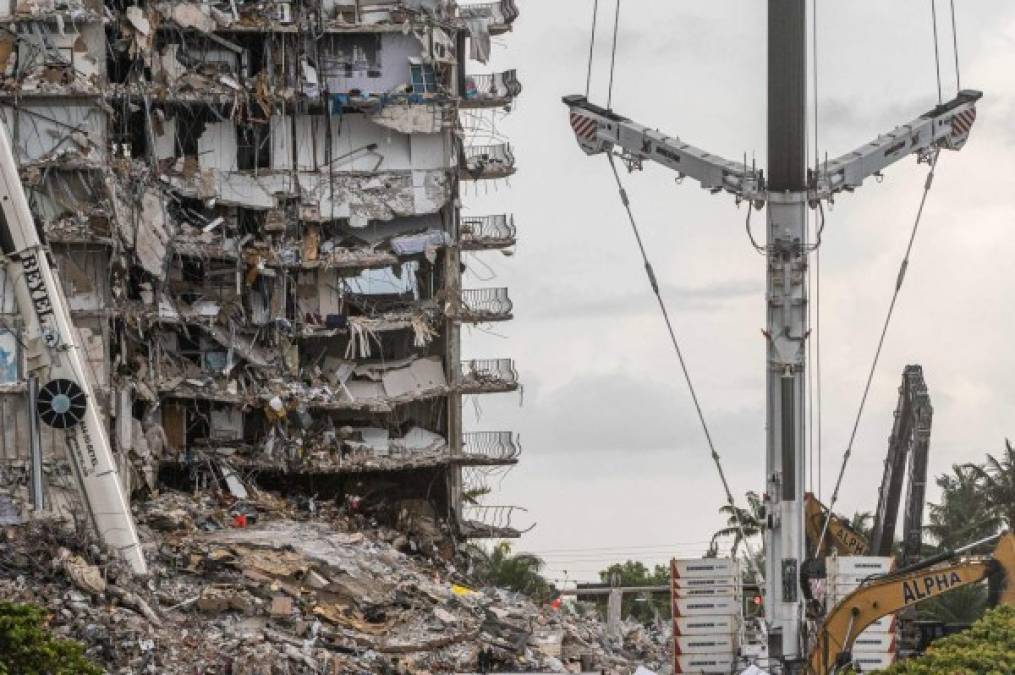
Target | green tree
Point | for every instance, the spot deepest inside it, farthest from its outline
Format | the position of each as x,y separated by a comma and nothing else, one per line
963,605
28,648
519,572
988,648
751,519
862,522
997,477
964,513
640,607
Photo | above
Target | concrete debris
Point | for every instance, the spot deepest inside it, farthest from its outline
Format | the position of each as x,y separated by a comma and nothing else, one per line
328,591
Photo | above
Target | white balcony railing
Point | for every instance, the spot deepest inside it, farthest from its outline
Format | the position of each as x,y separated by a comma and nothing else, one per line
486,304
493,445
493,89
489,374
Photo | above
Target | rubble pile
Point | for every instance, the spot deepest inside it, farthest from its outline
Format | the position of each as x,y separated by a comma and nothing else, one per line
270,586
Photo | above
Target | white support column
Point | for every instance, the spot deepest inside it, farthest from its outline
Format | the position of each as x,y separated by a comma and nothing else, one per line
785,457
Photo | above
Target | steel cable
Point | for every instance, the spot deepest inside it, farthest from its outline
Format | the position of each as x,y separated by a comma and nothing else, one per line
683,367
900,279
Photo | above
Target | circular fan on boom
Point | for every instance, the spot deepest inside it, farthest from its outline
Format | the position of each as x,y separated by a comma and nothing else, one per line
61,404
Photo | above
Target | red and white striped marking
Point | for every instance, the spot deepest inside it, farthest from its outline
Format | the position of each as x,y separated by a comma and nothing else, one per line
963,122
584,127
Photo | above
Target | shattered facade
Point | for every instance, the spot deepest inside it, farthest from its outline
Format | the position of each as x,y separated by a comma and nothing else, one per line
256,211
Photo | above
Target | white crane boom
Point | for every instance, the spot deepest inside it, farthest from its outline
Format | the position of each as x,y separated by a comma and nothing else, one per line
947,126
66,401
599,130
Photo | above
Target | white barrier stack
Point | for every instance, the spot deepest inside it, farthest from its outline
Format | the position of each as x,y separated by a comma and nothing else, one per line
875,647
707,601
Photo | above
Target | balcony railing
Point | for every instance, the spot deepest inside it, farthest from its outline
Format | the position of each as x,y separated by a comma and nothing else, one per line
489,161
493,445
485,304
492,90
492,521
501,13
482,375
488,231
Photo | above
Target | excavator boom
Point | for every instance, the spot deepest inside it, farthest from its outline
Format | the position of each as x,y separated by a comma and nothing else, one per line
840,535
902,589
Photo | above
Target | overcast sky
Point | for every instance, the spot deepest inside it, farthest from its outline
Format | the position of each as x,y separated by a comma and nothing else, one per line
614,464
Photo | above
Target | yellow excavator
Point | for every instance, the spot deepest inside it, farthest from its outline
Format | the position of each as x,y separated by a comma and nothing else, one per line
908,587
840,537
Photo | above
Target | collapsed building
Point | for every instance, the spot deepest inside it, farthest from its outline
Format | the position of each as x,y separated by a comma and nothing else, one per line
256,211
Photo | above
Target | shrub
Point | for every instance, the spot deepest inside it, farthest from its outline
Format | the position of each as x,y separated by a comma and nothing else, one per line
28,648
987,648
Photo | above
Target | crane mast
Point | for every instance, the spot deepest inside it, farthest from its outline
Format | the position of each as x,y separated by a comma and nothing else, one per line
66,401
786,328
786,192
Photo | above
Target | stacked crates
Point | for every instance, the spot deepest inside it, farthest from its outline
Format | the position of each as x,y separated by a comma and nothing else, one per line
707,601
875,647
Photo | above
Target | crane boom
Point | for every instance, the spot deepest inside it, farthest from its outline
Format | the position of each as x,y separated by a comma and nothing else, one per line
945,126
902,589
599,130
66,401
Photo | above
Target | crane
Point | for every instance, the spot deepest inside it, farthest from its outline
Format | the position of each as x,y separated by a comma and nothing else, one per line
786,190
66,402
907,587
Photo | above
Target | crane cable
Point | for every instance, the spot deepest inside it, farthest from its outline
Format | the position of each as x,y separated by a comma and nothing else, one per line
900,279
683,366
955,47
902,270
592,49
937,53
613,57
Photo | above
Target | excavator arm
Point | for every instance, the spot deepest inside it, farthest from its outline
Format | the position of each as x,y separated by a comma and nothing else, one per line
840,537
887,595
66,401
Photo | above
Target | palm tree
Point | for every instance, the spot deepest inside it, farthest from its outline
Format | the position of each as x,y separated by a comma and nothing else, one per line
964,514
520,572
751,519
862,522
962,605
998,479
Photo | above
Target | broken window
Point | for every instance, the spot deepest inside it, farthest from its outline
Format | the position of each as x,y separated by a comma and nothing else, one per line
8,356
424,79
253,147
188,132
351,56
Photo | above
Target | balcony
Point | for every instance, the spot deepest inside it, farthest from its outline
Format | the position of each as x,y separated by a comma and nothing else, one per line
486,162
500,14
488,376
491,522
488,232
489,447
494,90
484,305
